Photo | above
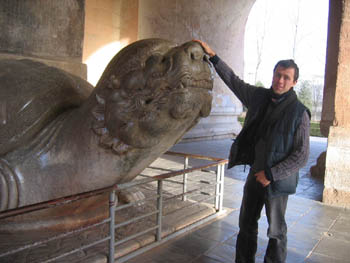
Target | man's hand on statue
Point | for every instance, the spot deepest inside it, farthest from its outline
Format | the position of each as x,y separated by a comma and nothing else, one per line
261,178
206,47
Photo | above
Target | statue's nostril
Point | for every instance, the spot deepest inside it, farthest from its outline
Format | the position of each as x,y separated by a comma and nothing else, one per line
205,58
197,55
194,51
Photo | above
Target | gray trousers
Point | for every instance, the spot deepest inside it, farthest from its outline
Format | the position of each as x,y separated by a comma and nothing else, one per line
254,198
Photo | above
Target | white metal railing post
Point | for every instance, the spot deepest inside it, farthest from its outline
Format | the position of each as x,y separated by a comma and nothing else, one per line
160,209
112,202
222,177
217,188
184,186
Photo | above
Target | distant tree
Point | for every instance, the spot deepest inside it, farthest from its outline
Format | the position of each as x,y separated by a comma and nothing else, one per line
259,84
299,35
317,100
260,38
304,92
296,29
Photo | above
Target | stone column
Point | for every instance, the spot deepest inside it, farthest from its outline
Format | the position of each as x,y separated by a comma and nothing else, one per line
337,102
48,31
222,25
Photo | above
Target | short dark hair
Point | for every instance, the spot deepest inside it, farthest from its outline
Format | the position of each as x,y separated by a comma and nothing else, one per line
288,63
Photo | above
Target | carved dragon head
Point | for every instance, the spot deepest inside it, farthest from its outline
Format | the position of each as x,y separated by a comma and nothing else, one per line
149,88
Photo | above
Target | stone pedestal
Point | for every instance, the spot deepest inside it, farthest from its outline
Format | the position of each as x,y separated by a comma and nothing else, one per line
337,180
318,170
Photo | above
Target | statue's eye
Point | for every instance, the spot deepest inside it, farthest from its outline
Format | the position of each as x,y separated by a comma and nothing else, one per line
148,101
152,60
196,55
166,61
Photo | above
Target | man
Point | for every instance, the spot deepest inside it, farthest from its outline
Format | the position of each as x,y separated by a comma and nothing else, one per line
274,141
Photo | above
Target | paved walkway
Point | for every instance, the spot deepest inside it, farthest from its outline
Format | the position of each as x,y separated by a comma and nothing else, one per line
317,233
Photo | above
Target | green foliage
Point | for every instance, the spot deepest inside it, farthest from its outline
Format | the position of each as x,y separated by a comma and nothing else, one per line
241,120
315,129
259,84
304,92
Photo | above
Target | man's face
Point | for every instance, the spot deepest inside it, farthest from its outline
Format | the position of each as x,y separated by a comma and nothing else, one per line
283,80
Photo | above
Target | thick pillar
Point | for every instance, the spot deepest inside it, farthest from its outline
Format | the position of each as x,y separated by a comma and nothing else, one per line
337,94
222,25
48,31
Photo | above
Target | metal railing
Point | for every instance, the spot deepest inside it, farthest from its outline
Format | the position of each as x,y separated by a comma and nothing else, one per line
188,189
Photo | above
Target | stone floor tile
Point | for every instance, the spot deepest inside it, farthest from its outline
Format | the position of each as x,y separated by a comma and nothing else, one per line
345,213
320,258
259,259
194,245
231,219
325,210
295,256
231,241
232,203
295,205
335,248
262,245
341,236
205,259
301,202
164,254
222,253
316,221
342,224
302,243
292,219
304,233
341,229
215,233
229,225
235,199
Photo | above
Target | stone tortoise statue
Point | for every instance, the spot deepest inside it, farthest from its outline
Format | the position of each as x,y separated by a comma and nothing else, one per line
59,136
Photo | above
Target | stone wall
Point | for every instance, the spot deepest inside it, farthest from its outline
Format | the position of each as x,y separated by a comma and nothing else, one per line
48,31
